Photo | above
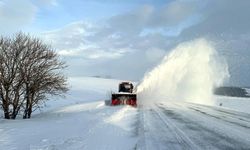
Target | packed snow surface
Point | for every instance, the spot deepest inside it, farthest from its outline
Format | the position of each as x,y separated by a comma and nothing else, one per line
189,126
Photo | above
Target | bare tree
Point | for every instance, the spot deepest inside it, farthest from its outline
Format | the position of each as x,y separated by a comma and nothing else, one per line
30,72
10,79
41,76
5,75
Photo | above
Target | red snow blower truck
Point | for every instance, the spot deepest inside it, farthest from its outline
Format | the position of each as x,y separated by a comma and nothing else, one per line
125,95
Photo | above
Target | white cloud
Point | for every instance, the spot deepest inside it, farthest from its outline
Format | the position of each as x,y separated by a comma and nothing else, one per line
169,16
69,37
175,13
224,16
136,40
91,53
76,44
69,52
117,41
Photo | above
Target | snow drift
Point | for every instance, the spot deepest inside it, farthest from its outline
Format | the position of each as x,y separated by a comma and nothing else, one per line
188,73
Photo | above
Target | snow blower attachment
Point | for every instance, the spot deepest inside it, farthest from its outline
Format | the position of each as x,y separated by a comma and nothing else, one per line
125,95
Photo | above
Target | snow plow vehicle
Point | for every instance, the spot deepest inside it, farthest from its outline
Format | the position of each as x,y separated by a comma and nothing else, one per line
125,95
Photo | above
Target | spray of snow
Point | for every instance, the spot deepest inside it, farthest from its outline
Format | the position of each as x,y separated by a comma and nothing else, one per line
188,73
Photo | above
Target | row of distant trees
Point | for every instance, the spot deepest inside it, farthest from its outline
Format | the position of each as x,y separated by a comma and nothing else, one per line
30,72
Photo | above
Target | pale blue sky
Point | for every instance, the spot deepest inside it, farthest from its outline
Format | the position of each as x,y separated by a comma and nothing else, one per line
66,12
62,12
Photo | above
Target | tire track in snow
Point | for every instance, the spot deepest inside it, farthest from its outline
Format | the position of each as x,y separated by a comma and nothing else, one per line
153,134
206,131
180,135
157,132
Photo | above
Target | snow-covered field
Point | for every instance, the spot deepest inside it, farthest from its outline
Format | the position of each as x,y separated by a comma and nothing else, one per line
83,121
234,103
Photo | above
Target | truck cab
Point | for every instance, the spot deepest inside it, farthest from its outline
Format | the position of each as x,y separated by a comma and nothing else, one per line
126,87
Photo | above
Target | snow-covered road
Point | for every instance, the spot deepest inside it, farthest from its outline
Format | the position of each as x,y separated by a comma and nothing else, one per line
192,126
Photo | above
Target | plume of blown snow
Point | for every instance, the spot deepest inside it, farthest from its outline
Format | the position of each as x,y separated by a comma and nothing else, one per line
188,73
